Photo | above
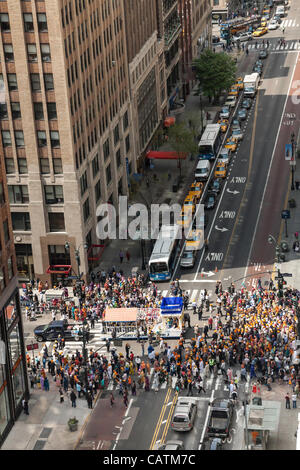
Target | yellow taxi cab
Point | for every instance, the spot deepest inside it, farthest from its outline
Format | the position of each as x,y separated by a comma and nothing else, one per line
185,218
224,124
234,90
221,170
231,143
260,31
190,201
239,83
263,22
196,189
194,239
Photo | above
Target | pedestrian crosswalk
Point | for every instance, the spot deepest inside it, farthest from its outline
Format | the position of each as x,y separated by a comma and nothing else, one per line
274,46
194,295
290,23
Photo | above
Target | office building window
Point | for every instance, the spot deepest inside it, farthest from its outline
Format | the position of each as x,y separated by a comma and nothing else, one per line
42,139
38,111
54,138
97,191
31,53
35,82
125,121
54,194
16,110
42,22
5,231
19,138
56,221
22,165
2,199
95,165
57,166
12,81
9,166
44,166
86,210
28,23
45,53
51,109
58,254
4,21
3,111
48,80
6,138
21,221
106,149
116,134
18,194
8,52
108,174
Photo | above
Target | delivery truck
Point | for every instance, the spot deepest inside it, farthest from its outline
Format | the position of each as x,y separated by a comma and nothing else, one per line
251,83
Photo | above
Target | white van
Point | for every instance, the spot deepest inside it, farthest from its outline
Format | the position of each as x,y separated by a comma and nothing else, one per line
280,11
202,170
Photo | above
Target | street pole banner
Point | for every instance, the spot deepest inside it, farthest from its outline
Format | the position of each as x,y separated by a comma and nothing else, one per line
288,152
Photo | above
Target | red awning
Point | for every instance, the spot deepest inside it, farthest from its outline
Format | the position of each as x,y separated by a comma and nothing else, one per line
59,269
166,155
169,121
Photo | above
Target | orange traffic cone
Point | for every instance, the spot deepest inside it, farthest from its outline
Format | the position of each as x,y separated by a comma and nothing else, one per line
216,269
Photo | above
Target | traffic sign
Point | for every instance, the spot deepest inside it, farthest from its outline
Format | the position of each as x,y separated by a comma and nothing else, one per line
72,277
32,346
288,152
287,275
285,214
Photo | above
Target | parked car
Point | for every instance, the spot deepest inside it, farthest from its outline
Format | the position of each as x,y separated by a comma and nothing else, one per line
263,54
172,445
225,112
242,114
259,63
184,414
237,134
188,258
246,103
210,201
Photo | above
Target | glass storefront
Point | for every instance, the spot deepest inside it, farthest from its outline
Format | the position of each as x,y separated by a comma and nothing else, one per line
24,261
13,382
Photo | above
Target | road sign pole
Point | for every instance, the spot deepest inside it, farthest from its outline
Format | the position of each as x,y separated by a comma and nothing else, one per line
286,230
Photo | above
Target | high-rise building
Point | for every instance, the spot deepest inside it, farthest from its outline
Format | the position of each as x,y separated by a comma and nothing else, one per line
196,35
66,127
13,375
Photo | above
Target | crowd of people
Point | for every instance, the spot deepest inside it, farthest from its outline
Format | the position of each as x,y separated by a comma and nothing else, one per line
245,334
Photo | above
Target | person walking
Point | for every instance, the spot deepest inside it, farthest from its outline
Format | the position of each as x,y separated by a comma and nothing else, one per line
46,384
73,398
125,399
25,406
287,402
294,400
133,388
296,235
112,399
128,256
89,399
61,395
121,256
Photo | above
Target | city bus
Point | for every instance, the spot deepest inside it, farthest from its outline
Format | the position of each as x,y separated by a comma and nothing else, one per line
230,27
163,258
210,142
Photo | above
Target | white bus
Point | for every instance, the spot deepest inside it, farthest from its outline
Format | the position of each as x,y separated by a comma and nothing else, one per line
164,254
210,142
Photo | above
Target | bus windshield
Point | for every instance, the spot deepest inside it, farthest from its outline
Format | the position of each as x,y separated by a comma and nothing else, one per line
205,150
158,267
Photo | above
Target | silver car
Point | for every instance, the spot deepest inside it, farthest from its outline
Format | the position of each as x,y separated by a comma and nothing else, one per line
224,156
184,414
172,445
188,258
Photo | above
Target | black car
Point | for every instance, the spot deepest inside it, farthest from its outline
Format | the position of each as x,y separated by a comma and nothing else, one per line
220,417
258,69
54,329
210,201
215,186
242,114
259,63
263,54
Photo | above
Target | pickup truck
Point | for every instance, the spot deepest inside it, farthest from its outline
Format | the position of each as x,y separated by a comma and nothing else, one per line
231,101
221,411
54,329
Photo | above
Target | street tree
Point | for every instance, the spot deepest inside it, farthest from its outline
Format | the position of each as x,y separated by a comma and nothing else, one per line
181,139
215,72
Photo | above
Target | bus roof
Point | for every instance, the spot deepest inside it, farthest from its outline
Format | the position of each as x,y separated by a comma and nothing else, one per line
164,242
210,133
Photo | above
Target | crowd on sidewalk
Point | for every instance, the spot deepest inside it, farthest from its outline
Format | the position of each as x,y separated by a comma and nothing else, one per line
252,332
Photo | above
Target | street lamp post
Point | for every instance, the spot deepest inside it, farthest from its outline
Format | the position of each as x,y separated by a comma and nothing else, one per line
278,257
85,339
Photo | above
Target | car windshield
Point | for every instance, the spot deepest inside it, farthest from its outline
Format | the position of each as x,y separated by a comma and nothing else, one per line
236,131
188,254
221,168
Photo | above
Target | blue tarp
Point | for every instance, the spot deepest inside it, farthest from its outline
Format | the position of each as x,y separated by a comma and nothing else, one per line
171,305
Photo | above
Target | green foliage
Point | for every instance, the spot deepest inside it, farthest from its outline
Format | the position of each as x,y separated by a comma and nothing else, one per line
181,139
215,72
